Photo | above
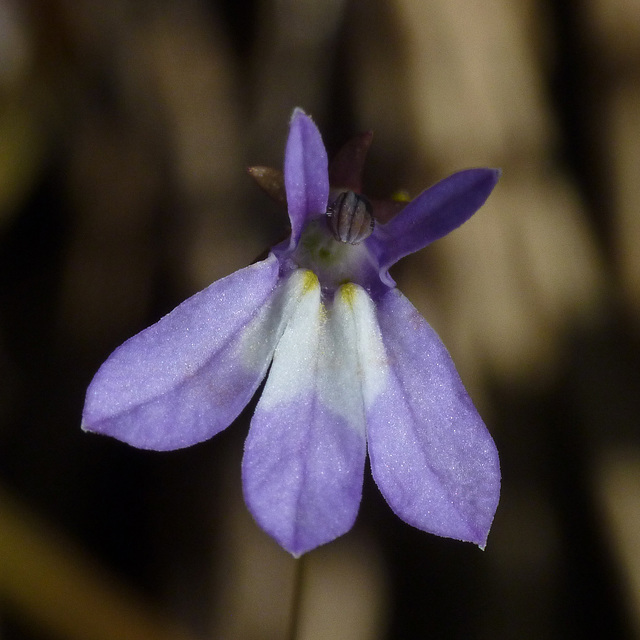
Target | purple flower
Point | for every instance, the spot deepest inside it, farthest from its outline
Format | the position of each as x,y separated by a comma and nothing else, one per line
353,367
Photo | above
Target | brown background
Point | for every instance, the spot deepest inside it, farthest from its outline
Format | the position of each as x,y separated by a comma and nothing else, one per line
125,131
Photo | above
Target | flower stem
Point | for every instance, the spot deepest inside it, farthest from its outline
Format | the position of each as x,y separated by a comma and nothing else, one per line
295,617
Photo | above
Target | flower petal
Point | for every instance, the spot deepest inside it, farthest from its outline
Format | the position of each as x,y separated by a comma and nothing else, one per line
431,455
433,214
188,376
304,455
306,176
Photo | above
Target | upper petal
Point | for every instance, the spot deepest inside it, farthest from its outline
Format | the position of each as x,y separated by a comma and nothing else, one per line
304,456
306,176
433,214
188,376
431,455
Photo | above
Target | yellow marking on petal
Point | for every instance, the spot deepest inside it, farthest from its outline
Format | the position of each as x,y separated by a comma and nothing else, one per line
401,196
310,282
348,293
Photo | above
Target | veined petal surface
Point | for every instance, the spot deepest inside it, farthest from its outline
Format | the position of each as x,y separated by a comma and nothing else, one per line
306,176
188,376
304,456
433,214
431,455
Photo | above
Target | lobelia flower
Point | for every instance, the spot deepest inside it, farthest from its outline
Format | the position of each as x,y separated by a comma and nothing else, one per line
352,366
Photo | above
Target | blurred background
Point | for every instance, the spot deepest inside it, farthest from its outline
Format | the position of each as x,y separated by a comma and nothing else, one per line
125,131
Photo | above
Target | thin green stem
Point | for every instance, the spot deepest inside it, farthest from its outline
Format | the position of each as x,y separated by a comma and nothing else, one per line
295,616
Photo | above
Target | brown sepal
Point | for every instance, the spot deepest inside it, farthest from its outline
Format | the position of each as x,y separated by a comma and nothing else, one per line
271,181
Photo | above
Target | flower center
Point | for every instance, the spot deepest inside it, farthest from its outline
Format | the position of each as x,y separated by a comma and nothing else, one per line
334,261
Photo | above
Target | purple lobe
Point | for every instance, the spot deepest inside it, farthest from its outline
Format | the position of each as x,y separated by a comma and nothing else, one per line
433,214
431,455
304,456
302,473
182,380
306,175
